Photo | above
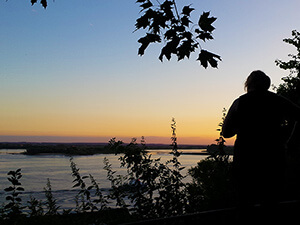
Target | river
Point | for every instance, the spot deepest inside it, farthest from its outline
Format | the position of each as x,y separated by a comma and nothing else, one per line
38,168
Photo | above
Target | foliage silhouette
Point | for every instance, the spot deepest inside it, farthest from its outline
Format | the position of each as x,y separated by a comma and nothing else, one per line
35,207
154,189
211,186
43,3
140,181
164,23
100,199
117,190
291,84
290,88
13,208
85,199
51,206
221,155
173,190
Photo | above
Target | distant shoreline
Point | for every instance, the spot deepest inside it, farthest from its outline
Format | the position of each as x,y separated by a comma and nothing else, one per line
33,148
156,152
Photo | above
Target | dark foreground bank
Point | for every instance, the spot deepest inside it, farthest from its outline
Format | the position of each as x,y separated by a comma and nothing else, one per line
285,213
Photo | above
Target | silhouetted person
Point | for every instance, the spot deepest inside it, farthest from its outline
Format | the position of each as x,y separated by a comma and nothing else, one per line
258,119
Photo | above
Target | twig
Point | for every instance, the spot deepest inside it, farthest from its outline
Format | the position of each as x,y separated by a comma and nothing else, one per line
176,10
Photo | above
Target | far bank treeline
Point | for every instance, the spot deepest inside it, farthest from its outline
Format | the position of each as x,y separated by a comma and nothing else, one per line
33,148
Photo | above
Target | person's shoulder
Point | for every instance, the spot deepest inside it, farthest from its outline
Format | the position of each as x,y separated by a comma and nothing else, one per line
261,94
246,96
281,101
277,97
243,96
273,94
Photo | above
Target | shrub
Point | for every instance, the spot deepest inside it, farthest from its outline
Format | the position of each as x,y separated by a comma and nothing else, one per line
13,209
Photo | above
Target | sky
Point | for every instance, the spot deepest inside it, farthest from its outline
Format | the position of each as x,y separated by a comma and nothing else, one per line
71,73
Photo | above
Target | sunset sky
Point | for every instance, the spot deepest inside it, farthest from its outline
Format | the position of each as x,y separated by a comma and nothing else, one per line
72,73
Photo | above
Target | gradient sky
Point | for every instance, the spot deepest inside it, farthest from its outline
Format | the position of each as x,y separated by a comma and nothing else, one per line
73,71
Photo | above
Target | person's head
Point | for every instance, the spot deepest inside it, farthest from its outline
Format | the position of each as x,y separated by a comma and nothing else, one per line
257,81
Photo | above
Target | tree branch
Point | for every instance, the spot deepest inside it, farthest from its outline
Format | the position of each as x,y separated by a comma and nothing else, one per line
176,10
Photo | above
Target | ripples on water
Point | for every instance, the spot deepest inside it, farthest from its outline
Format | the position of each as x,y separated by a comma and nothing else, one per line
36,169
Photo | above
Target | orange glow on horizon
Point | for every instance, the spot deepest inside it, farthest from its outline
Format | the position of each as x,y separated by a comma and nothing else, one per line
194,130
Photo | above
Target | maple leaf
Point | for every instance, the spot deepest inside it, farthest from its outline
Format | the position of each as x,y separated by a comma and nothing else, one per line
171,47
204,35
170,34
145,41
44,3
185,21
185,49
205,22
166,6
146,5
33,2
187,10
206,57
143,21
159,20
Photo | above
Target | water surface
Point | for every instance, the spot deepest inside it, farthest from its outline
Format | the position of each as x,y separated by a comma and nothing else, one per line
37,169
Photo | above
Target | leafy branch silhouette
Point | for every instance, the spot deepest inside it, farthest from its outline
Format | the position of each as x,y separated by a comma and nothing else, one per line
181,36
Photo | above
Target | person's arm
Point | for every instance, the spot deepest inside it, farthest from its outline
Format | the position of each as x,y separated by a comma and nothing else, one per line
293,143
229,128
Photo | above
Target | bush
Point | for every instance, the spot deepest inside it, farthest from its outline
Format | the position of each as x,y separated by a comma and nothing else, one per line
212,184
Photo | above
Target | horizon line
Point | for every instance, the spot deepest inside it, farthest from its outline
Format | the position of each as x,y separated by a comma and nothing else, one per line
104,139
